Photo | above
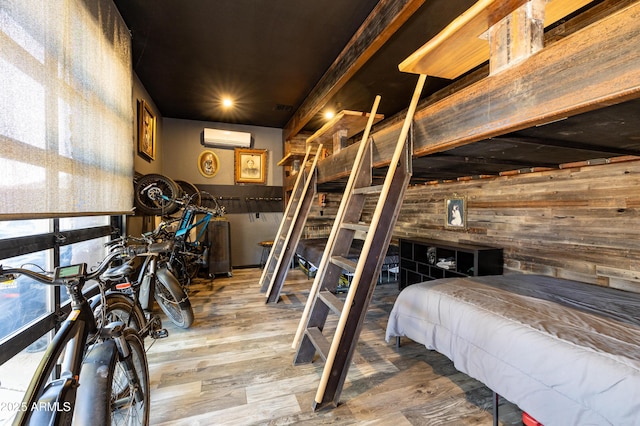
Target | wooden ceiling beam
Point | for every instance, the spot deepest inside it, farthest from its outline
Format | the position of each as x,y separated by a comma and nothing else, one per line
385,19
572,145
595,67
447,157
592,68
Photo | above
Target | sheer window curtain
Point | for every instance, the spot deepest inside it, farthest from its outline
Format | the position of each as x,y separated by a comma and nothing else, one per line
66,120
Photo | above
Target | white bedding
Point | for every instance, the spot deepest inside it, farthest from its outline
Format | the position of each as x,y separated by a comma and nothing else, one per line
572,359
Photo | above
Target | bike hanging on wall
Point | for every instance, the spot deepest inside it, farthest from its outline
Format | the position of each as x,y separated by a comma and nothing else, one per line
179,238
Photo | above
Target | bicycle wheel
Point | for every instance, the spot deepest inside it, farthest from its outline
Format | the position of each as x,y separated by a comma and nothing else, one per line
155,195
172,299
130,401
185,267
191,191
106,395
120,307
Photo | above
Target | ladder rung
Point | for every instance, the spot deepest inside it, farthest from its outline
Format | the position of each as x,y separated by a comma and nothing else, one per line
346,264
332,301
376,189
319,342
364,227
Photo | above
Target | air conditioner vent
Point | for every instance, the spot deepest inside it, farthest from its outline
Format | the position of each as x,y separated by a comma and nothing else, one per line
226,138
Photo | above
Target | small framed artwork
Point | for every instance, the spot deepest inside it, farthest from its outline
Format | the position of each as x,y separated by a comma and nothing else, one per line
208,164
455,213
251,165
146,131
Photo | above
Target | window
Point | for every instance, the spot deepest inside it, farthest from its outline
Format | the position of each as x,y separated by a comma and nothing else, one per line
24,300
66,114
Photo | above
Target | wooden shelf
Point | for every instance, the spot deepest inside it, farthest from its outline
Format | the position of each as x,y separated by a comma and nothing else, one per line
462,45
419,260
288,159
353,122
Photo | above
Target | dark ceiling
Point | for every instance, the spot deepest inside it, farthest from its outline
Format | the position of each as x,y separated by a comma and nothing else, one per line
269,56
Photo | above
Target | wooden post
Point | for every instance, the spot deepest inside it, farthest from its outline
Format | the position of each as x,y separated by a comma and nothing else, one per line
517,36
339,140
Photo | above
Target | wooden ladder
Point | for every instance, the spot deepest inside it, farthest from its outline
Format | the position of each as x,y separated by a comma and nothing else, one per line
309,339
291,227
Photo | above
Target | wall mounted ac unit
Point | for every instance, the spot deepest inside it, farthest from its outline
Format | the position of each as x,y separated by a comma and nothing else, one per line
226,138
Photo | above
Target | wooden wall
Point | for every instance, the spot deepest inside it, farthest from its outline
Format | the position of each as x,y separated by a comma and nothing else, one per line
579,223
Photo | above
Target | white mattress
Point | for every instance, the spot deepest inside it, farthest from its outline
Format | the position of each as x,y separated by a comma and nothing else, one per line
567,353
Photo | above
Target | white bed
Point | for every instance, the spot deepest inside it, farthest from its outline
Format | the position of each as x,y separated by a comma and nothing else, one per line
567,353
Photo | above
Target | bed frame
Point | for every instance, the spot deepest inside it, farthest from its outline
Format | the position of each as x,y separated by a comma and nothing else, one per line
565,352
309,253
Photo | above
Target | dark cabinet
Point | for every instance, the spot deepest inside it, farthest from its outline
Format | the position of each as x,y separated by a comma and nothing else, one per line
219,235
423,260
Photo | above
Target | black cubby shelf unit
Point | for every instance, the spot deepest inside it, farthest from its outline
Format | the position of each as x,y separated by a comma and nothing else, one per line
419,260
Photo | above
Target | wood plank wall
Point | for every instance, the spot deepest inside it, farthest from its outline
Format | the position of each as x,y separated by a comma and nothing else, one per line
571,223
578,223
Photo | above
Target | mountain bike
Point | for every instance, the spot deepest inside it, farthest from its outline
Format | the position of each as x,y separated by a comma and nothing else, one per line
104,376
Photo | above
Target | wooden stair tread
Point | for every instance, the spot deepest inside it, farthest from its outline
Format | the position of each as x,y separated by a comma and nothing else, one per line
459,47
332,301
320,342
346,264
366,190
364,227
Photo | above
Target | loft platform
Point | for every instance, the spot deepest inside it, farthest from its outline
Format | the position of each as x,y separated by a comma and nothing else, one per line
347,123
464,44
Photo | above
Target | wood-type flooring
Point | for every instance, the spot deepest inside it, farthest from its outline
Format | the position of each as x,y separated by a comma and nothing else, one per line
234,366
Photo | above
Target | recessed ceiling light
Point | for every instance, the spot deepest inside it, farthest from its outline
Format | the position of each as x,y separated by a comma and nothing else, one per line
329,115
227,103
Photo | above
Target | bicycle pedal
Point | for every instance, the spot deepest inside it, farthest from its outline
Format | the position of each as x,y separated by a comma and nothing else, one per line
160,333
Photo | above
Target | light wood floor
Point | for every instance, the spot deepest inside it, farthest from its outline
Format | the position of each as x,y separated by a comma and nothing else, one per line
234,366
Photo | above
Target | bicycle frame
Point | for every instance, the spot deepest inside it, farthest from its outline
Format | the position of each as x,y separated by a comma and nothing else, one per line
187,222
53,402
56,402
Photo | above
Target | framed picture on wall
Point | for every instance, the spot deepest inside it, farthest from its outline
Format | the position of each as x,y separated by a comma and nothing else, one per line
208,164
146,131
455,211
251,165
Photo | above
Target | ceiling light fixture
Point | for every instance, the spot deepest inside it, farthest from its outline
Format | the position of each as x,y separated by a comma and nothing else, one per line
227,103
329,115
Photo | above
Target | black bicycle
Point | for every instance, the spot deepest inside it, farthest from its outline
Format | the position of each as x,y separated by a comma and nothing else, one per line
104,376
146,276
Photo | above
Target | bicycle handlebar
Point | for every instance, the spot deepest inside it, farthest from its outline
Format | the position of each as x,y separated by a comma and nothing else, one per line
49,280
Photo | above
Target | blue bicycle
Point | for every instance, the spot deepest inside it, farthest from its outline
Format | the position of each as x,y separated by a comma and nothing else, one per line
156,194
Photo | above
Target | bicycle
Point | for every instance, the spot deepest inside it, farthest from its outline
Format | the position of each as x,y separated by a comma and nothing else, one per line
156,194
188,254
129,301
145,276
104,372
